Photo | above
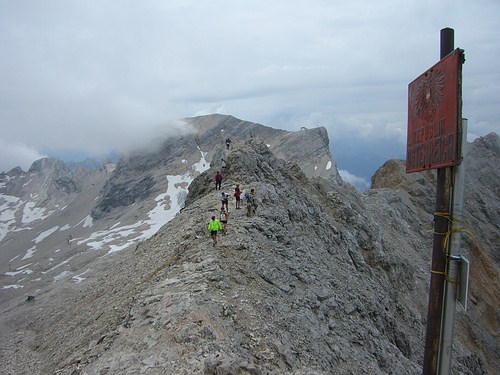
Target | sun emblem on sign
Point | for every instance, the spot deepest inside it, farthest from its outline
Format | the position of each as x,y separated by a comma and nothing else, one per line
428,95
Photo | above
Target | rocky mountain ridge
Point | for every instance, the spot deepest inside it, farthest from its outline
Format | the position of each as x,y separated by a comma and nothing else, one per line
322,280
130,192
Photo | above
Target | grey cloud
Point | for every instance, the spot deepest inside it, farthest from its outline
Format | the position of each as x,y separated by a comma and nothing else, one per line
96,76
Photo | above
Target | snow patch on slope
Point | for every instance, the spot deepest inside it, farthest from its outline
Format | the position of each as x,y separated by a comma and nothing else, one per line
32,213
168,204
117,238
45,234
8,207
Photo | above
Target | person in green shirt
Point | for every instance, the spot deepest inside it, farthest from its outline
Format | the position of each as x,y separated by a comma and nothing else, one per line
214,226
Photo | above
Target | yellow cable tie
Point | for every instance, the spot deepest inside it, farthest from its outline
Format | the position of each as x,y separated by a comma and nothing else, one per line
446,215
453,229
447,279
438,272
463,230
440,233
446,240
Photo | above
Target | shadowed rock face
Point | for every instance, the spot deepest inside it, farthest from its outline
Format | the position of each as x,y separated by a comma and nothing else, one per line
321,280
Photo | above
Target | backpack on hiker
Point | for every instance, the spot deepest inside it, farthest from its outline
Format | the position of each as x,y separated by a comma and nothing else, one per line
249,197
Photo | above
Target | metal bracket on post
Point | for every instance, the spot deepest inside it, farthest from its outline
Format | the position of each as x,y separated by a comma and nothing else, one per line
458,275
453,270
463,282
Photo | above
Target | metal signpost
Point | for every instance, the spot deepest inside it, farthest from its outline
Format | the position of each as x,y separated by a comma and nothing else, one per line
457,268
435,142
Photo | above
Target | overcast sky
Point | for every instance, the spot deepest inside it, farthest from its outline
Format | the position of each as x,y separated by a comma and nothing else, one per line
86,77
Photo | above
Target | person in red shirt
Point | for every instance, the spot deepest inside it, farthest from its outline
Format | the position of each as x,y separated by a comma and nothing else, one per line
218,180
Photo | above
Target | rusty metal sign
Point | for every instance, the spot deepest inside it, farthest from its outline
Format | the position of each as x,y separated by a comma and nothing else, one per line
434,111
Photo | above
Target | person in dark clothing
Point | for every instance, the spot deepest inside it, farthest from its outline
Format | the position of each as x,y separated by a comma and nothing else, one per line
228,143
218,180
251,199
225,201
237,195
224,216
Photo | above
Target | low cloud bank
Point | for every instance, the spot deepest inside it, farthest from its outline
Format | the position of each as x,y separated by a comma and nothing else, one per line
17,155
360,183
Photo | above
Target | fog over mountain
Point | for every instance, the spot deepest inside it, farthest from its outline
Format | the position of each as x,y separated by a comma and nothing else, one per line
81,78
108,267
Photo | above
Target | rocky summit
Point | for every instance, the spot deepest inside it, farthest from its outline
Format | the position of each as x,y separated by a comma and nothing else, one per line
112,270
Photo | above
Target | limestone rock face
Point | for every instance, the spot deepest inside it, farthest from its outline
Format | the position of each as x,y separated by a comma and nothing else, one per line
320,280
315,159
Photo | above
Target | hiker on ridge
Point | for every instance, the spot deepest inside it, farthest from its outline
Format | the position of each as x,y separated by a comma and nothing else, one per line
251,202
225,201
218,180
214,226
224,216
237,194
